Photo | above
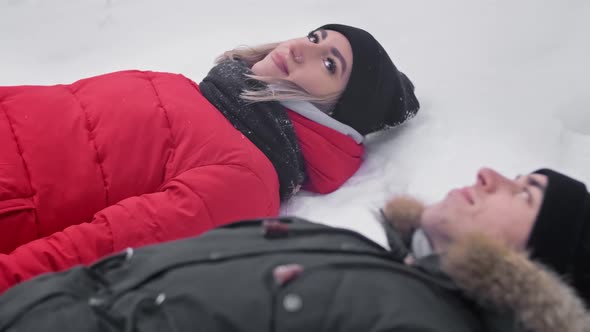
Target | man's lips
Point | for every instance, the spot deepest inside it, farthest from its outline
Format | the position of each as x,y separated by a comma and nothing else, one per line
464,192
468,195
280,62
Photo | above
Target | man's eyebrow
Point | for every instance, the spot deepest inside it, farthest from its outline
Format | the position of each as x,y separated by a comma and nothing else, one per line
535,183
531,181
341,58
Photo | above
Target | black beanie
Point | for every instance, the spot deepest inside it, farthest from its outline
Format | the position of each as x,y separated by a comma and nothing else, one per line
561,231
377,94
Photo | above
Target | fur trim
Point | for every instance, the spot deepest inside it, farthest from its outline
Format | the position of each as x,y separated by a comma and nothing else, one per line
404,213
491,273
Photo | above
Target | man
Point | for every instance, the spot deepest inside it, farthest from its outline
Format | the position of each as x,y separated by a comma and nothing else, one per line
545,212
292,275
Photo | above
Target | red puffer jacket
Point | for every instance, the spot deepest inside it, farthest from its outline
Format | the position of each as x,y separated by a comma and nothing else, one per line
127,159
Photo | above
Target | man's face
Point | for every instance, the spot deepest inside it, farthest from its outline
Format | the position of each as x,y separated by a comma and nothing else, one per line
502,208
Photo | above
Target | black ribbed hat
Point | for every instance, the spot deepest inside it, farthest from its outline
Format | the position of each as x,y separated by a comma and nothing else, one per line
377,94
562,229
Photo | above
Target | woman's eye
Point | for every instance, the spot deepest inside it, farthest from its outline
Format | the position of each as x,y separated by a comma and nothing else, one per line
330,65
313,37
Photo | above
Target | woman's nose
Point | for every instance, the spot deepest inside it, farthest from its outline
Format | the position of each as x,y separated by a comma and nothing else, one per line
304,51
297,56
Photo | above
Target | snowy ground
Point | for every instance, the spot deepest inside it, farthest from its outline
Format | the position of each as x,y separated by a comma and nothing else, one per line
502,83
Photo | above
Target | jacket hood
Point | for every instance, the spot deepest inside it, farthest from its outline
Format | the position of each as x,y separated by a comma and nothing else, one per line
493,274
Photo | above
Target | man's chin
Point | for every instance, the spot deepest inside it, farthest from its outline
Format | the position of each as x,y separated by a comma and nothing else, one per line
432,215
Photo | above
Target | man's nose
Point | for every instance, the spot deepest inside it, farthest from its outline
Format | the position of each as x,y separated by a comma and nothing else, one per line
490,180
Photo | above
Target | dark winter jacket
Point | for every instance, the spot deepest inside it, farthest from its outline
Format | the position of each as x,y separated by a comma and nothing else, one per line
286,275
133,158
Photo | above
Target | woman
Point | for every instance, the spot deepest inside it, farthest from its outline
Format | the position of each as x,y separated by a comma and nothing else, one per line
133,158
292,275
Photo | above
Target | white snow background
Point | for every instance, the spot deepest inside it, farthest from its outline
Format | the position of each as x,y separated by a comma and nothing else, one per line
502,83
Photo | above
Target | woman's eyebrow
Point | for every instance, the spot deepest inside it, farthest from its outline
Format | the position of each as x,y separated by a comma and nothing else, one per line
341,58
335,52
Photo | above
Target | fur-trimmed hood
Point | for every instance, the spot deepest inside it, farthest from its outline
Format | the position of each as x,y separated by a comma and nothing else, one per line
497,276
493,274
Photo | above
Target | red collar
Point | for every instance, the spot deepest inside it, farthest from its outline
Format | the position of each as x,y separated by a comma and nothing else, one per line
331,158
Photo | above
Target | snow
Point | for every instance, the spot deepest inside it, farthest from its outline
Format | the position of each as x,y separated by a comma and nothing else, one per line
502,83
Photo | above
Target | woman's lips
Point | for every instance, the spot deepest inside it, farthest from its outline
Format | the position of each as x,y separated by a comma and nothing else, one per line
280,62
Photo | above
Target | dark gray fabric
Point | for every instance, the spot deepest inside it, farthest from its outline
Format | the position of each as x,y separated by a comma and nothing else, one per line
224,281
266,124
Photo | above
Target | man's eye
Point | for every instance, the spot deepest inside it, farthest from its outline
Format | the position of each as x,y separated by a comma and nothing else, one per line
313,37
526,195
330,65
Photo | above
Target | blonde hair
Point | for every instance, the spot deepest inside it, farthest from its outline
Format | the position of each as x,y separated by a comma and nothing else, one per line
276,89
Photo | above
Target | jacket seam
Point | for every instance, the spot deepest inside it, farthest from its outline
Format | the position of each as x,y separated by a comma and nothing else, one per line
332,300
211,221
92,139
78,256
168,122
25,165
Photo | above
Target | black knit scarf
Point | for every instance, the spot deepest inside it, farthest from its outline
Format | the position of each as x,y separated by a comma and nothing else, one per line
266,124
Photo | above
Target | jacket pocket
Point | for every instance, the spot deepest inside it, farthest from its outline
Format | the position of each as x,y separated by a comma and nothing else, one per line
18,223
16,204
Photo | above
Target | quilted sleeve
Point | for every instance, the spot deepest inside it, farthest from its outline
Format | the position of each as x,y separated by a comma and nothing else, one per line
193,202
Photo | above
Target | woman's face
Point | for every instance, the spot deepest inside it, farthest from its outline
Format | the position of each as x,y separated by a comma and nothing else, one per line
320,63
502,208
